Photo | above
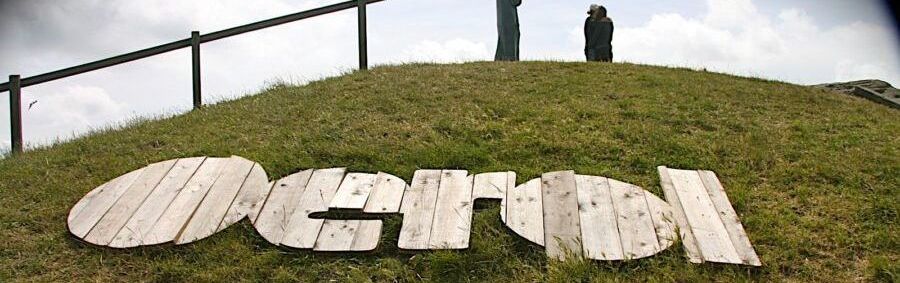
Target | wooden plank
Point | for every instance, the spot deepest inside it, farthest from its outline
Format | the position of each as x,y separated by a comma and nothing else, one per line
452,223
510,184
525,212
211,211
183,206
684,228
707,227
302,231
143,219
730,218
336,235
386,194
635,225
367,235
418,210
280,205
254,214
353,191
494,186
250,198
108,226
490,185
599,226
663,220
88,211
562,226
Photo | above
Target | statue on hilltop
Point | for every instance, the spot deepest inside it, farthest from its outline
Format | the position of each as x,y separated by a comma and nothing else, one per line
507,30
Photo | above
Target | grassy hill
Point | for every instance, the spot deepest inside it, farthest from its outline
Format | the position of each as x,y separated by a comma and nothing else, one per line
814,175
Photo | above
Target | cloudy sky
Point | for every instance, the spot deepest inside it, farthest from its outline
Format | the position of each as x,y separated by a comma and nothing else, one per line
798,41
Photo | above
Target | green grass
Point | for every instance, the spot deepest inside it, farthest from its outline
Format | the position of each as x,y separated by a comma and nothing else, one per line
813,174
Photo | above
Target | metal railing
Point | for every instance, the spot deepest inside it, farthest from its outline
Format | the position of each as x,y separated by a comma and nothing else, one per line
16,83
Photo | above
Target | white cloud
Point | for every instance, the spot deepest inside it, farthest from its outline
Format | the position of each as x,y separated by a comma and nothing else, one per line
74,110
732,14
733,37
451,51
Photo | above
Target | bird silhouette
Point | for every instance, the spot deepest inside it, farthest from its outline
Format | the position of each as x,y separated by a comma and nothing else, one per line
32,104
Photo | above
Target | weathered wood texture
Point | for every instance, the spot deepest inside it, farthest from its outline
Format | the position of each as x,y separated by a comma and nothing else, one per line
437,211
285,217
354,191
452,223
157,203
280,205
702,208
188,199
614,220
494,185
386,195
302,230
525,211
418,210
562,223
635,225
599,225
729,218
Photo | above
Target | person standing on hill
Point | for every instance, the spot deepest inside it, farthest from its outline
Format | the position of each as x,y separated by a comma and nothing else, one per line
598,33
507,30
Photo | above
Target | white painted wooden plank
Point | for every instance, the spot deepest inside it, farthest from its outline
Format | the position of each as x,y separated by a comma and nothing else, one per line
510,184
635,225
418,210
140,223
250,198
525,212
367,235
211,211
684,228
494,185
108,226
386,195
663,220
280,205
562,226
88,211
302,231
452,223
730,218
707,227
255,212
353,191
490,185
336,235
599,227
183,206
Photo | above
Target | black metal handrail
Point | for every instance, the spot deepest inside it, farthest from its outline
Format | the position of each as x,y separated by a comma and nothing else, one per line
16,82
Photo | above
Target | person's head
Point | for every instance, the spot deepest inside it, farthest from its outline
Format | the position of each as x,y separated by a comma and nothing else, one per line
601,12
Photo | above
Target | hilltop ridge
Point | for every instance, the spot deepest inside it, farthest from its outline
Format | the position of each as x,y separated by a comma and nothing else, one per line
812,173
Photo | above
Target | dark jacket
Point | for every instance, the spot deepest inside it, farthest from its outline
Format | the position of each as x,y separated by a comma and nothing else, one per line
598,39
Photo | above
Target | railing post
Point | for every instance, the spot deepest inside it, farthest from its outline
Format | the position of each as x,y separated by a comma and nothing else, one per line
363,48
15,113
195,58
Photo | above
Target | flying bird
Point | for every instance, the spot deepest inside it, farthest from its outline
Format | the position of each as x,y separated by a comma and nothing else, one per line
32,104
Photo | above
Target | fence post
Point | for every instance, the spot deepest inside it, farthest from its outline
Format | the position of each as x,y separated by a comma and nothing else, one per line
363,48
15,113
195,58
